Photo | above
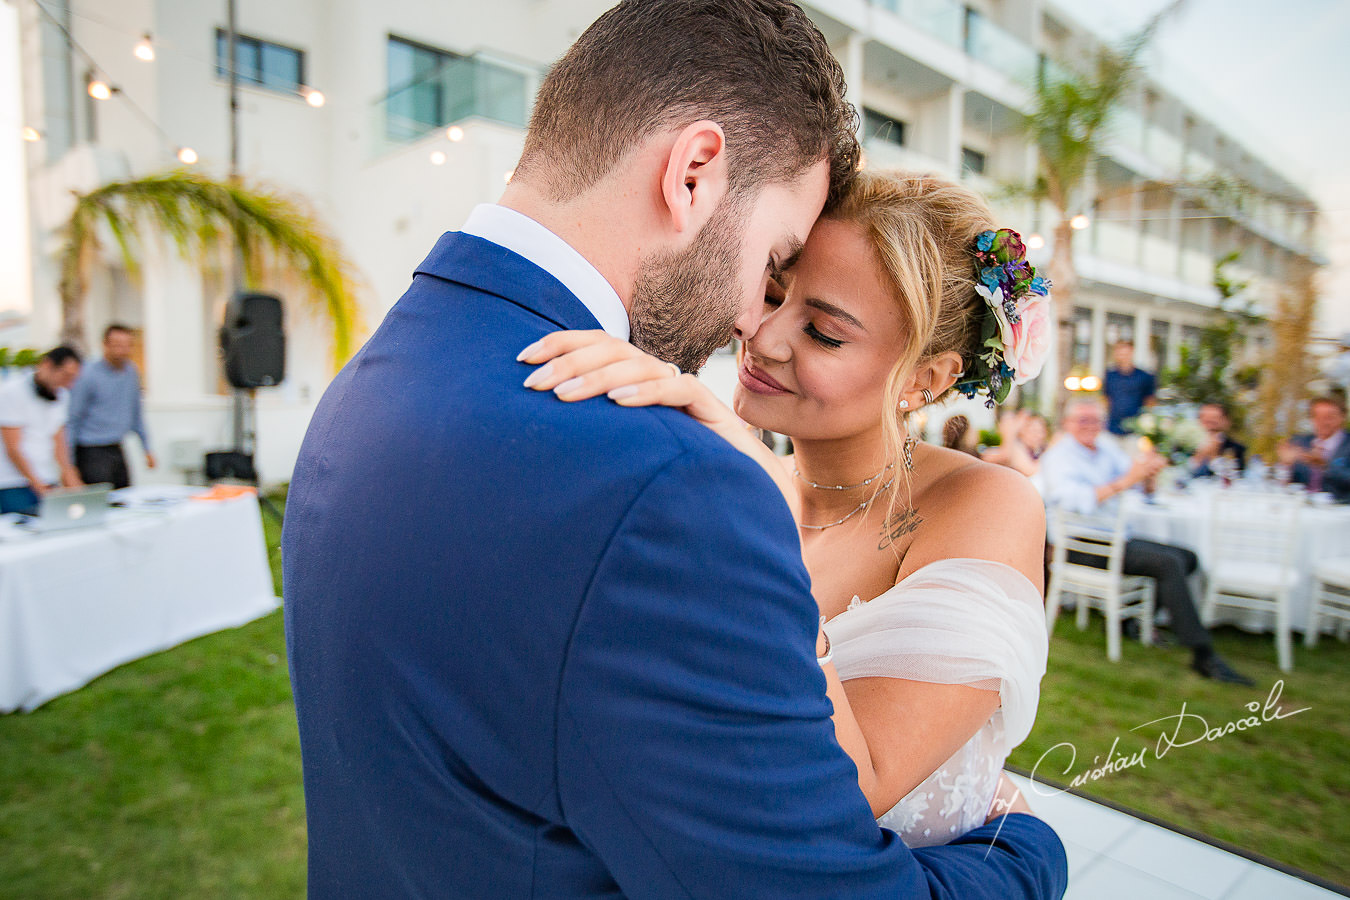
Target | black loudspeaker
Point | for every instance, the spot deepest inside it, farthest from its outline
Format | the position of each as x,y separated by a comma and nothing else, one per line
252,341
230,464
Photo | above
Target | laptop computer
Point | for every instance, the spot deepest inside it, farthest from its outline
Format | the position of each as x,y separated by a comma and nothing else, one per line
65,508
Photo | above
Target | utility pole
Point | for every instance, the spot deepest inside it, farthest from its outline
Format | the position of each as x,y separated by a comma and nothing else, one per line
243,442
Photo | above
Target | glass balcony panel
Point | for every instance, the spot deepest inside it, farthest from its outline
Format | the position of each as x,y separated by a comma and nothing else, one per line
458,89
1164,148
1127,126
1116,242
1197,268
944,19
1160,256
999,50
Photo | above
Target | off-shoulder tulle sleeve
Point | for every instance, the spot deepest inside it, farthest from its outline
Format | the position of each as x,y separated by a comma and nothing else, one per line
956,621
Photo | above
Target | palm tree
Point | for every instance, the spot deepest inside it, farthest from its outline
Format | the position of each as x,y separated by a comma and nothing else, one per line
208,220
1068,122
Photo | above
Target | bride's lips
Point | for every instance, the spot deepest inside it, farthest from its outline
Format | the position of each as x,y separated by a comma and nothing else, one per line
757,382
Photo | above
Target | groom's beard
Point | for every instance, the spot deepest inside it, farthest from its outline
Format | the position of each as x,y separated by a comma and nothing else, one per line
685,304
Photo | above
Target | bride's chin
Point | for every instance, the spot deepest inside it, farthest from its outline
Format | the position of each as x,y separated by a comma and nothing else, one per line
750,409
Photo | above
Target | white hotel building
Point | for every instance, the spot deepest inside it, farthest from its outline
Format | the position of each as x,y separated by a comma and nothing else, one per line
940,84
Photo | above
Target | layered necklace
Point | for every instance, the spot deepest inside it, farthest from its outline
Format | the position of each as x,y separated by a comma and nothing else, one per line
909,466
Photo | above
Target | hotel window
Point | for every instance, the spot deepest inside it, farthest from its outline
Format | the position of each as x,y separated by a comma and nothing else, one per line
882,128
1119,327
1081,325
430,88
973,161
259,62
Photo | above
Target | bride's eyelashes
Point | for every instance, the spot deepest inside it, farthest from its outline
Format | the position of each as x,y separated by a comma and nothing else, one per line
810,330
823,339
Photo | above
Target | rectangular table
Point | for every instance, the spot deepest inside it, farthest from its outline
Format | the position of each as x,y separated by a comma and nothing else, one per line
76,604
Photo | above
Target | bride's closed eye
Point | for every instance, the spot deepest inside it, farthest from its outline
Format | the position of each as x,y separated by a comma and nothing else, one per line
773,298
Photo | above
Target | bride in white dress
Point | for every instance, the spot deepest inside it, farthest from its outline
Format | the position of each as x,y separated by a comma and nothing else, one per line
926,563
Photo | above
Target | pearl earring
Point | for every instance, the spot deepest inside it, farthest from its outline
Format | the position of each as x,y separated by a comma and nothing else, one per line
904,404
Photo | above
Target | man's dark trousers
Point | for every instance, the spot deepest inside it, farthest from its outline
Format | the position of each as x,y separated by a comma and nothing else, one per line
104,463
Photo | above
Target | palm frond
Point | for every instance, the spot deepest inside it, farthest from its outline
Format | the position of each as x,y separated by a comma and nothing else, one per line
203,217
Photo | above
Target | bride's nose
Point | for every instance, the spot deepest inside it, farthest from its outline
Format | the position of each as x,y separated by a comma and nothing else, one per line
770,341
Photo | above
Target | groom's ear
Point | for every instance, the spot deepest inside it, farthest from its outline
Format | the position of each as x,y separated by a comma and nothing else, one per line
695,178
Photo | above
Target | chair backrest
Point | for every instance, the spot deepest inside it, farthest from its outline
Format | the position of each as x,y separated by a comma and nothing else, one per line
1097,536
1252,527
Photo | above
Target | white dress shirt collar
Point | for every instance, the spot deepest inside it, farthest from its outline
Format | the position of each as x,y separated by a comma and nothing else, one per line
525,237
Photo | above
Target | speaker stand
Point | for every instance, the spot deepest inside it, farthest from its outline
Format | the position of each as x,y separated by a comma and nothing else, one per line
245,437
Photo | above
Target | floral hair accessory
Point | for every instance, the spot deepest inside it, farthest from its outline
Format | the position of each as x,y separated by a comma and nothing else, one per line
1015,334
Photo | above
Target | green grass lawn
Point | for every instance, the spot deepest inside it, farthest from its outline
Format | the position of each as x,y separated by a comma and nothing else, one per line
178,776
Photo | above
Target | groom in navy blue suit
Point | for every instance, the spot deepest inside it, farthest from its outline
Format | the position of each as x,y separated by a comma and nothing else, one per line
568,650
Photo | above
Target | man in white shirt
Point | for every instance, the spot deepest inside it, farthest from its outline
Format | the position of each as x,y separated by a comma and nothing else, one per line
1086,476
33,427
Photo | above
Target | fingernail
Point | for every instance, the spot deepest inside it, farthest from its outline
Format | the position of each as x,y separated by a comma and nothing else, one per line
568,386
528,351
539,374
619,393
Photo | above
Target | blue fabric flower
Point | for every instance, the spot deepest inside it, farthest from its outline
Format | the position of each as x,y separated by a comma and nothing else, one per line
985,241
1040,286
992,276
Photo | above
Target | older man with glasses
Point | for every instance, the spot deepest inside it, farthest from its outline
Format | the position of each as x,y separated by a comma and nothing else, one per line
1085,475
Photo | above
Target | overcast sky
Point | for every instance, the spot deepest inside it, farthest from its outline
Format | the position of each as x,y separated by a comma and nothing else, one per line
1280,70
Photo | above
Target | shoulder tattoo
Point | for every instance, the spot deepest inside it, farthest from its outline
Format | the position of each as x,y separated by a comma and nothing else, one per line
897,526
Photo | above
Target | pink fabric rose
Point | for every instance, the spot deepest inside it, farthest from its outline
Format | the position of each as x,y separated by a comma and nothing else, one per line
1027,343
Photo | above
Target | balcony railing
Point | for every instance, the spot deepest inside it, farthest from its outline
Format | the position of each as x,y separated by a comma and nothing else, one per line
943,19
999,50
461,88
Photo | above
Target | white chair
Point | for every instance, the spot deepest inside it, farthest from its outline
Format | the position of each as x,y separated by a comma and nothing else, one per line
1253,545
1116,595
1331,598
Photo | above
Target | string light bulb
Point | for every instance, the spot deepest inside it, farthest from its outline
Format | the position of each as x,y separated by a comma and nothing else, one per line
1079,222
31,134
312,97
100,89
1090,383
1035,242
455,133
1073,383
437,158
187,156
145,49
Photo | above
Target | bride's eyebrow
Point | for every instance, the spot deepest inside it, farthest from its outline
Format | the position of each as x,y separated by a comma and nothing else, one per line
836,312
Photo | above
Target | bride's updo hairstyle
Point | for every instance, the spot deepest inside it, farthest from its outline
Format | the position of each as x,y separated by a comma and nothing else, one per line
923,230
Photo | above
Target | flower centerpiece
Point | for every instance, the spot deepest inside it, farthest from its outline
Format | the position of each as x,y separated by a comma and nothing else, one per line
1173,432
1016,331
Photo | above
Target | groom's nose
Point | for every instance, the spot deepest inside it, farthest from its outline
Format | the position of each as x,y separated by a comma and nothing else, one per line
748,322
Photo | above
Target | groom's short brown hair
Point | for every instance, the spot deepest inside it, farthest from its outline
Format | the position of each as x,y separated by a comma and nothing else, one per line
759,68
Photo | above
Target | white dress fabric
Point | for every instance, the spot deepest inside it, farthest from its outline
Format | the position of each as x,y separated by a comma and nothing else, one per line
956,621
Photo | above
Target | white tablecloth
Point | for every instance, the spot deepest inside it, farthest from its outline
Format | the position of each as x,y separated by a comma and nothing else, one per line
1184,520
76,604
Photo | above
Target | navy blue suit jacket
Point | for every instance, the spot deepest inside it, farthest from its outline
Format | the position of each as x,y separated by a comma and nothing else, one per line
566,650
1336,475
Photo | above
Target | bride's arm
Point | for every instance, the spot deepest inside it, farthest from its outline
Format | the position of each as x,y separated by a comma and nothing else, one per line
899,731
579,365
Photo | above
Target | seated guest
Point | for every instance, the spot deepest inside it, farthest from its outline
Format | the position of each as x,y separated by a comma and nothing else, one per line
33,428
1214,418
1321,460
1085,475
958,435
1024,436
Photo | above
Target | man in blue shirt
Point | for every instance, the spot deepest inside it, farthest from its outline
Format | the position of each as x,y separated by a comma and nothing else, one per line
105,404
1128,390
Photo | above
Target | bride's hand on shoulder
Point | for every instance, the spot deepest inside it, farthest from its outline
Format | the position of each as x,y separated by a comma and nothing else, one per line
579,365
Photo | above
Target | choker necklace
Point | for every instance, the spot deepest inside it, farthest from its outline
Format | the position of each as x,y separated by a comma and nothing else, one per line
857,509
843,487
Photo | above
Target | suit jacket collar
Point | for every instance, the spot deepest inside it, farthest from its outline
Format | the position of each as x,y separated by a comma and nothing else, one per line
484,266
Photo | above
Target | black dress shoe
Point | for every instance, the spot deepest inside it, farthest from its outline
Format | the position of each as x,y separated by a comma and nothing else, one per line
1214,667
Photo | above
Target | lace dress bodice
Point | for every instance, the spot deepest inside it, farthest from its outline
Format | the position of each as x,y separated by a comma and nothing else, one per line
955,621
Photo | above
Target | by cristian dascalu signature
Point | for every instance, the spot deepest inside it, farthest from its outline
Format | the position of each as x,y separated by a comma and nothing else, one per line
1183,729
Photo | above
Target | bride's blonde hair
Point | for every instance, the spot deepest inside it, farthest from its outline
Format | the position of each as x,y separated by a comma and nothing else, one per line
922,229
